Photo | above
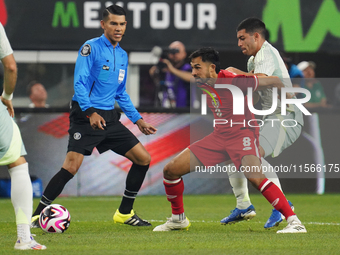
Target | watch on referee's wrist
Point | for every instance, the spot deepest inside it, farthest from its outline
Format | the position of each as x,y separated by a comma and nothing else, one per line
6,96
89,112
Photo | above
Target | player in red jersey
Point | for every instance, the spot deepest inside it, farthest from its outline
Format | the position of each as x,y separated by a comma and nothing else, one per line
240,144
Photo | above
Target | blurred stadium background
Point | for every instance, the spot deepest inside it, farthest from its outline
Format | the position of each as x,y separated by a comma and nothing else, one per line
46,36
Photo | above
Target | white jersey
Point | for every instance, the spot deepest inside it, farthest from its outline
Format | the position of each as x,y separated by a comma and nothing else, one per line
5,50
275,139
11,145
268,61
5,47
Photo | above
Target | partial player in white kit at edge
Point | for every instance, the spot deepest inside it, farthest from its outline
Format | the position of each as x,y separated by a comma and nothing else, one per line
264,60
12,151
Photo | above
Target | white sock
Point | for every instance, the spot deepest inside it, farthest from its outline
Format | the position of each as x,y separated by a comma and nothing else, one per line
293,218
178,217
24,232
239,184
271,176
22,197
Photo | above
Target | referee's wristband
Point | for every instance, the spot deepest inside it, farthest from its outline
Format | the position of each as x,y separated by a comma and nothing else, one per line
89,111
6,96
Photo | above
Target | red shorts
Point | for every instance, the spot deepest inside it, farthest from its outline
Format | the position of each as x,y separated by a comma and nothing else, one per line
214,148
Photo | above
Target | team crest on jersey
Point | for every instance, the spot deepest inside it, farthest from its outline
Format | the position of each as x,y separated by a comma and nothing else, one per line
86,50
121,76
77,136
215,103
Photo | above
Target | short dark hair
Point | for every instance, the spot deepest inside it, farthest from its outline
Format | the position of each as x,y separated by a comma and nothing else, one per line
113,9
208,54
30,86
252,25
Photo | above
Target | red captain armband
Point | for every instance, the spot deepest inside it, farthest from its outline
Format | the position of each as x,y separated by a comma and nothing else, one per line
245,81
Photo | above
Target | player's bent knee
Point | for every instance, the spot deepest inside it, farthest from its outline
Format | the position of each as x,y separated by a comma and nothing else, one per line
73,162
147,160
168,172
71,166
144,160
73,170
21,160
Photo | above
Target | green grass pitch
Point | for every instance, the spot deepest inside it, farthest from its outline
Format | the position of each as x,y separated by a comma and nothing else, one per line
92,230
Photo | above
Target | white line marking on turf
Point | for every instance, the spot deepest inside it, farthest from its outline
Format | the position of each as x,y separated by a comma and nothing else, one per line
323,223
211,221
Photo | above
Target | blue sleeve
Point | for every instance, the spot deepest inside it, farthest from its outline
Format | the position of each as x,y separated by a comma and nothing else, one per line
82,73
124,101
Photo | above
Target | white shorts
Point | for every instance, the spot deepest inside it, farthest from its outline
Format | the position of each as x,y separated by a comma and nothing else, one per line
275,137
11,145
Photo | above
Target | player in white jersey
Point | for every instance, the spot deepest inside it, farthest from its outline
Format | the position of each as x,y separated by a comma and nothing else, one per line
12,152
264,60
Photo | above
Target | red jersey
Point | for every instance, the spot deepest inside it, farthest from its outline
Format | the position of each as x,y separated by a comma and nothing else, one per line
222,105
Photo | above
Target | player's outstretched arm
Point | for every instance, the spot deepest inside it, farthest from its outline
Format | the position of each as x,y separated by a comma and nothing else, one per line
269,82
146,128
238,71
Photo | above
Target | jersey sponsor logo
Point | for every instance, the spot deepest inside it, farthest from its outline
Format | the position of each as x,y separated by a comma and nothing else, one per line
121,75
86,50
77,136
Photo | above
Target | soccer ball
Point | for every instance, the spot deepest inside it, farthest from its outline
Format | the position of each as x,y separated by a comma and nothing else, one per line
54,219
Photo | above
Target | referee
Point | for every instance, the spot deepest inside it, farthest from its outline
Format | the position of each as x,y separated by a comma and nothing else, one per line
99,81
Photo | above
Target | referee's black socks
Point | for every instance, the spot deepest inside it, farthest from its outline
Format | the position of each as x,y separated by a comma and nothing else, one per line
53,189
134,181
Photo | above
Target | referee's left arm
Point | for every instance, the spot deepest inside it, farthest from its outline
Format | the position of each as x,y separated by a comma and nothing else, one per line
82,73
125,102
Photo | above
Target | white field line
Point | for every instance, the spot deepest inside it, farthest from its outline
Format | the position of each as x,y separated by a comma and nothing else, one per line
305,223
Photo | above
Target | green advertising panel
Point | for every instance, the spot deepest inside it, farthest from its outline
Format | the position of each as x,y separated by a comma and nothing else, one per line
294,25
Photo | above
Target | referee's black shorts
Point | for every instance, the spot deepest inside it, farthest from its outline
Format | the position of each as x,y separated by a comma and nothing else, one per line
83,138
